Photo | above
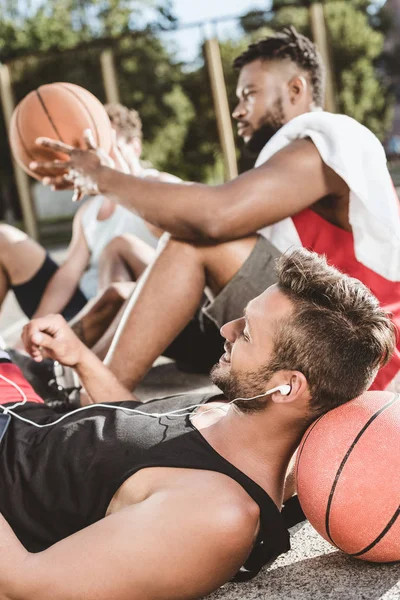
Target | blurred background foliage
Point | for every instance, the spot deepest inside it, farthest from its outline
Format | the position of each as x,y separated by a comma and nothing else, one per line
61,41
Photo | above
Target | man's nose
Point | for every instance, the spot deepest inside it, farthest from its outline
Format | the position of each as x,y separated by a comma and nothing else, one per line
239,111
231,331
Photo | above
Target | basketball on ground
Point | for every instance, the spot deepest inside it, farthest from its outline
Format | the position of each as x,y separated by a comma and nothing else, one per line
61,111
348,476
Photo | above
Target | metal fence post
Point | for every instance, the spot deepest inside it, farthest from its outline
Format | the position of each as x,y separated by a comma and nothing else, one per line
320,36
21,178
221,105
109,74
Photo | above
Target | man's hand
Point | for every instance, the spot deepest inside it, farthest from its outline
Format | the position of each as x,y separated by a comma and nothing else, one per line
52,337
83,167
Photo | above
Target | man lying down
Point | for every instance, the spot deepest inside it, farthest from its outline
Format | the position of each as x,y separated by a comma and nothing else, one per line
168,500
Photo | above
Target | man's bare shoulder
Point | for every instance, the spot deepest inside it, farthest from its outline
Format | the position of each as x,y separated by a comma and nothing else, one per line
224,500
190,534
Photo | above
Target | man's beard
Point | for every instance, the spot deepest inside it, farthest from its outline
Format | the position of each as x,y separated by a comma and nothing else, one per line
244,385
268,125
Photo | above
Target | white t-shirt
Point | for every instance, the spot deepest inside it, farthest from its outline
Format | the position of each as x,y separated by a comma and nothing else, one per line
98,234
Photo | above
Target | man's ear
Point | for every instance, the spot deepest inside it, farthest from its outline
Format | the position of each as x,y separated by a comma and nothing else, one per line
298,89
298,387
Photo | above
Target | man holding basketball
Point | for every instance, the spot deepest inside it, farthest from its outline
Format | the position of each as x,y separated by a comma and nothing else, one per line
173,505
321,182
109,244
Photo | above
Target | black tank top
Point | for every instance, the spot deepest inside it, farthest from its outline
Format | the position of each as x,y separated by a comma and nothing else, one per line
58,480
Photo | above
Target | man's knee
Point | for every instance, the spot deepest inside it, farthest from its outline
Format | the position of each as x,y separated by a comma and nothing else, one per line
10,235
116,293
114,247
180,248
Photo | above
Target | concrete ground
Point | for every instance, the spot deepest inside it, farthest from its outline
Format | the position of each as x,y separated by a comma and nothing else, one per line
312,569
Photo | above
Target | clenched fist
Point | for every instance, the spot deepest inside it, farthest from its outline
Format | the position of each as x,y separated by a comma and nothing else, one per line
52,337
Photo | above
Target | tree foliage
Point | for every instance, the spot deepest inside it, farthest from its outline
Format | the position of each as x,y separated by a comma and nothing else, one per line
72,34
51,25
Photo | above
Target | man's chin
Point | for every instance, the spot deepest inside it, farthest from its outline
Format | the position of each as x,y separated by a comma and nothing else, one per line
257,141
219,374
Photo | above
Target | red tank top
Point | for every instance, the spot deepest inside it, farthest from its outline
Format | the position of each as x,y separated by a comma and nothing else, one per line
338,246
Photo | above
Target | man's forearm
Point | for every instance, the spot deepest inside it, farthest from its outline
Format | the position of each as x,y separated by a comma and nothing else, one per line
186,211
100,384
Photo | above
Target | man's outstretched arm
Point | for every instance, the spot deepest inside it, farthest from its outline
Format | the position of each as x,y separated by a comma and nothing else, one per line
177,543
52,336
293,179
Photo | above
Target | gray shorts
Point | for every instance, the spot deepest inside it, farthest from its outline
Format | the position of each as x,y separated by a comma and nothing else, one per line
253,278
199,346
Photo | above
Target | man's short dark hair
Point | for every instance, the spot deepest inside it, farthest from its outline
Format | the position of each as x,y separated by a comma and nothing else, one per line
338,335
289,44
126,122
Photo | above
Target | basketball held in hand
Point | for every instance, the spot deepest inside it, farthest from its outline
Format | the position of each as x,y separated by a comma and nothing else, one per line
348,476
61,111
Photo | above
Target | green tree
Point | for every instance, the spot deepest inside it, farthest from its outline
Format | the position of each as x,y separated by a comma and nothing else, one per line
152,82
62,41
50,25
201,150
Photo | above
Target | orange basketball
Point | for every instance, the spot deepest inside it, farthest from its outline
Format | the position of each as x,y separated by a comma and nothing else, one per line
61,111
348,476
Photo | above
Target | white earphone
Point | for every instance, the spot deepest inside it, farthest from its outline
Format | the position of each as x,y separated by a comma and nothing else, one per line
283,389
180,412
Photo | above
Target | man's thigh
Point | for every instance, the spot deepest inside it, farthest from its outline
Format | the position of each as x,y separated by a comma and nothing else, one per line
256,274
223,261
30,293
200,345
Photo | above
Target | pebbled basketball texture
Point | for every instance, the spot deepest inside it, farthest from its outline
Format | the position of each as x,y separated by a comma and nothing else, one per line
61,111
348,476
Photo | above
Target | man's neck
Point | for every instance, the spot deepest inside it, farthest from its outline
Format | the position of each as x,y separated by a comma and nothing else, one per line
259,444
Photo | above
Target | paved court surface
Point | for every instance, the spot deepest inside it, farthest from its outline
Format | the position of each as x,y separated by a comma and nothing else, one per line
312,569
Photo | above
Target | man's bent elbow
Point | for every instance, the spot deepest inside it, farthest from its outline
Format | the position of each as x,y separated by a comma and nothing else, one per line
214,229
205,231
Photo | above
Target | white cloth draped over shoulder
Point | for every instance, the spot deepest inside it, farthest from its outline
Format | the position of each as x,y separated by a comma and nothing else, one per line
357,156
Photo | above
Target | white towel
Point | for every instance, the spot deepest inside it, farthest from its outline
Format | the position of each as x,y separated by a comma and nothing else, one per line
356,154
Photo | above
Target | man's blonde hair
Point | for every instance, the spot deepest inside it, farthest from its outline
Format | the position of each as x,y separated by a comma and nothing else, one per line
126,122
338,335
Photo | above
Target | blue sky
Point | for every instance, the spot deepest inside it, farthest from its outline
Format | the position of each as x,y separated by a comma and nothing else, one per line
196,10
190,11
187,42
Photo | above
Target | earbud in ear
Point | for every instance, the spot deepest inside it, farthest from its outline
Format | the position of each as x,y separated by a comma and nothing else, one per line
283,389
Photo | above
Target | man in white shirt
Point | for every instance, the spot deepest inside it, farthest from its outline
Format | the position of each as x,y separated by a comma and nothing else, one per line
109,244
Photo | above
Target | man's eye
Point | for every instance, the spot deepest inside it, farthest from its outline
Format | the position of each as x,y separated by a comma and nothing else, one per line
244,336
248,94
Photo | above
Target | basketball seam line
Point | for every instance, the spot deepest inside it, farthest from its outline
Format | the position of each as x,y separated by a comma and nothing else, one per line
49,116
342,464
380,536
85,107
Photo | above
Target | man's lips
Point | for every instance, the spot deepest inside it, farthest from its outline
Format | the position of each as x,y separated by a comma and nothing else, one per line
225,358
242,127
